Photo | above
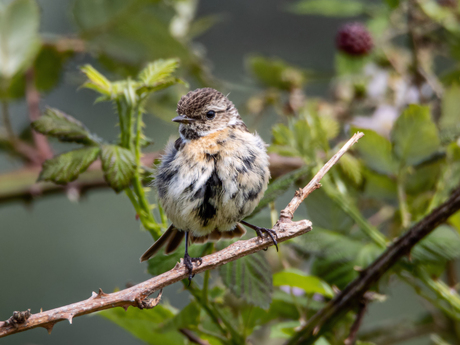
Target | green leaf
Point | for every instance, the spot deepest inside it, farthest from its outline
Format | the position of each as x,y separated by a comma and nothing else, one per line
145,324
414,135
48,67
19,38
276,73
325,213
283,330
441,245
118,165
380,187
158,71
161,263
249,277
376,152
450,115
64,127
67,166
329,8
310,284
279,186
392,3
97,81
351,167
188,317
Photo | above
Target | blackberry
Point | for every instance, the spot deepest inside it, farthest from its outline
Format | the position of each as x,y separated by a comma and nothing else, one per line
354,39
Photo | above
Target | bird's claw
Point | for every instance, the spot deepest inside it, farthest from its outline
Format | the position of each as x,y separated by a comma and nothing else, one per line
188,262
270,232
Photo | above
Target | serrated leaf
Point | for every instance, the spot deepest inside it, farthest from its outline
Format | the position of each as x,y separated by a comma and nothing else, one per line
249,278
145,324
441,245
118,165
158,71
57,124
97,81
325,213
67,166
450,115
351,167
329,8
376,152
276,73
19,38
414,135
279,186
309,284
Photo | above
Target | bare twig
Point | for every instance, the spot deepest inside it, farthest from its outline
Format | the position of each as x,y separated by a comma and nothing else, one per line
353,293
362,308
33,103
287,214
192,337
136,295
21,184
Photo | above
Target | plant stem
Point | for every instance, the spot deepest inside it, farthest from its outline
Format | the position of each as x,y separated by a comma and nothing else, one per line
404,209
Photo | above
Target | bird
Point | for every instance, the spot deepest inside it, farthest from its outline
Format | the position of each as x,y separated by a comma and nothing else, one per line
211,177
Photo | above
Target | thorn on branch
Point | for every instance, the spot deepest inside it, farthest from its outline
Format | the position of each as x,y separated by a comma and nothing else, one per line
100,294
17,318
49,327
149,303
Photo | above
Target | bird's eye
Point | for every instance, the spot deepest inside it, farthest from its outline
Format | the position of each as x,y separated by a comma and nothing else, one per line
211,114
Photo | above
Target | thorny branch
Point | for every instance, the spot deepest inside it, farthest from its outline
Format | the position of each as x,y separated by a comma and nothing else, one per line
354,292
137,295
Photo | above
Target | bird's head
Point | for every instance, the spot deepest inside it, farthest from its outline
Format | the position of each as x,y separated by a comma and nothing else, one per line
205,111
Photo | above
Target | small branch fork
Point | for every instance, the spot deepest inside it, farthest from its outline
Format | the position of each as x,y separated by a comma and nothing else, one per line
137,296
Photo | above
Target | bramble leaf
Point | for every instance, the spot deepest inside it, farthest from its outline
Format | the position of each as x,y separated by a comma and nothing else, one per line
279,186
118,166
375,151
145,324
97,81
57,124
310,284
188,317
249,277
19,39
441,245
414,135
67,166
158,71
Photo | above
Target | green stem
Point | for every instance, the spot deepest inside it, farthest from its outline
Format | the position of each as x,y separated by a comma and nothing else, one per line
205,286
404,209
122,123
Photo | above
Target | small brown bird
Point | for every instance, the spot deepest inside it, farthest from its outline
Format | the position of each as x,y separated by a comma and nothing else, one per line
212,177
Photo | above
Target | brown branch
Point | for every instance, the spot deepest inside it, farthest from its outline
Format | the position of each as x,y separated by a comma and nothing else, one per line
137,295
362,308
354,292
21,184
192,337
33,103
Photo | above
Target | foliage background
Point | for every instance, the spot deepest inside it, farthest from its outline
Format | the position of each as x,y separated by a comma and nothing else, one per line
55,252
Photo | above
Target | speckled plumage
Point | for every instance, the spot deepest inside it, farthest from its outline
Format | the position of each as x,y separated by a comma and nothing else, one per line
215,174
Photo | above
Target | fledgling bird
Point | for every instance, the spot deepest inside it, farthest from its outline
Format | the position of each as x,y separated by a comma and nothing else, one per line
212,177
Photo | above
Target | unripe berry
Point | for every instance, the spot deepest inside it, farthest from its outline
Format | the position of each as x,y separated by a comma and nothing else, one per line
354,39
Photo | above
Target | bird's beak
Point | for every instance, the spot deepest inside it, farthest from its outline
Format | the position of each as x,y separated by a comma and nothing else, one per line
183,119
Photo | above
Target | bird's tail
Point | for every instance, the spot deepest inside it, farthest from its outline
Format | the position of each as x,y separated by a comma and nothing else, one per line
173,237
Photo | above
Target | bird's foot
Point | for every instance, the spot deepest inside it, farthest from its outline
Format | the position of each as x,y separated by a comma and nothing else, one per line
188,262
270,232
